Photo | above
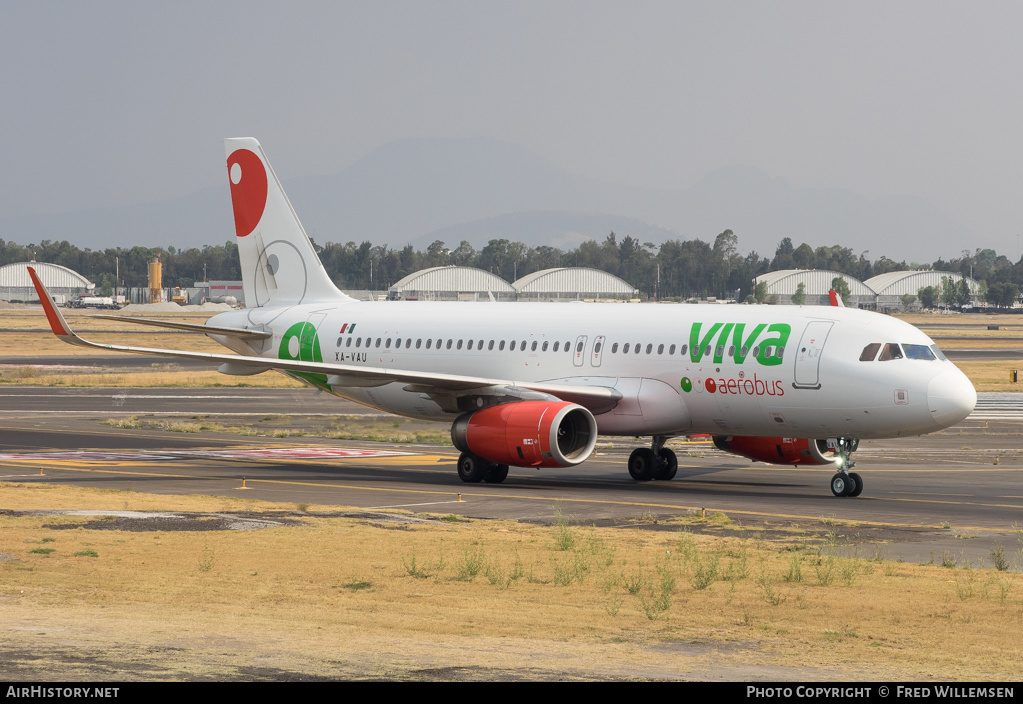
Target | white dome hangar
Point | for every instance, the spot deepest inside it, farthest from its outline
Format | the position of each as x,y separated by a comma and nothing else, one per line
892,286
573,283
16,285
451,283
816,283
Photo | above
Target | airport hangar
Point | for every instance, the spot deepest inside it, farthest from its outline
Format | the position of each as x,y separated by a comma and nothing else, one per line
884,291
15,284
463,283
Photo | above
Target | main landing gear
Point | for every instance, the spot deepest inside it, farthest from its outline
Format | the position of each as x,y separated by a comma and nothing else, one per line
473,469
656,462
846,483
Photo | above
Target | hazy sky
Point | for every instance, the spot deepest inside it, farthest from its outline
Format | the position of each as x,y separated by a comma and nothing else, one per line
107,103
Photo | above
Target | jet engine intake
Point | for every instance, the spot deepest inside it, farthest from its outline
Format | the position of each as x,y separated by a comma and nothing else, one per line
528,433
779,450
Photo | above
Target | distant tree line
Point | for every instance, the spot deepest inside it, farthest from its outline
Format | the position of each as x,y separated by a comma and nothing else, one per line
677,269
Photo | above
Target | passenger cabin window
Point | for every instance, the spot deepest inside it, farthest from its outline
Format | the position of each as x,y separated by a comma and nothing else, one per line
890,351
625,350
429,343
419,343
649,348
491,345
660,349
348,343
614,348
870,352
533,347
671,350
556,343
683,349
544,348
449,344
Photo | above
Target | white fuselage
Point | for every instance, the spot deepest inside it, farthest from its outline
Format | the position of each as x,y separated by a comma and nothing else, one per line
800,374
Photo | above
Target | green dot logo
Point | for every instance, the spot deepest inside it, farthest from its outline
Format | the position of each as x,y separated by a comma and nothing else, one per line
687,385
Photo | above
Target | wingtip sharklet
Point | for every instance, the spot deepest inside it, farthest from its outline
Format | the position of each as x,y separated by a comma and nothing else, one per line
58,325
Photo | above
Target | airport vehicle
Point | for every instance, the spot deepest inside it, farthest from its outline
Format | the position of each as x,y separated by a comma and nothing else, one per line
532,384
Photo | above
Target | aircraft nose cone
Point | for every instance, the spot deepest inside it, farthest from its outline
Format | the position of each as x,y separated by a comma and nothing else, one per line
950,398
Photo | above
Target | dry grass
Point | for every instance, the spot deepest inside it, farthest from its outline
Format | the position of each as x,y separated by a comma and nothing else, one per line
992,376
374,429
28,376
355,597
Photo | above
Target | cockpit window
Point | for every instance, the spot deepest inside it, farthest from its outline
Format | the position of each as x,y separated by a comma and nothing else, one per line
890,351
918,352
938,353
869,352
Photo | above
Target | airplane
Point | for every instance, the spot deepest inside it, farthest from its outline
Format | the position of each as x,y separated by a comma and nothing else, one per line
533,384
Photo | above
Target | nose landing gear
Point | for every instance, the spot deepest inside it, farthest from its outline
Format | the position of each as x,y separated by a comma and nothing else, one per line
845,483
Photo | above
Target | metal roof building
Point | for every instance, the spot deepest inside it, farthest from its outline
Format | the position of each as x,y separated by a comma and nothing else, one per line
448,283
817,283
892,286
15,284
573,283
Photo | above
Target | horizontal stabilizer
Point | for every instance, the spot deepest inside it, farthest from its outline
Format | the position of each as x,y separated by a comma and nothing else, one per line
243,333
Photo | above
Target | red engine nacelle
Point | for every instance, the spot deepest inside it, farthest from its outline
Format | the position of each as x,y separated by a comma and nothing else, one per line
528,433
778,450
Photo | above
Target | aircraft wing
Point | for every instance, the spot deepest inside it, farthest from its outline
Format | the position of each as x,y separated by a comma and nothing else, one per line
598,399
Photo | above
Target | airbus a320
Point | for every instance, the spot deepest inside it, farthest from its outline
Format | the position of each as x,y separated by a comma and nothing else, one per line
533,384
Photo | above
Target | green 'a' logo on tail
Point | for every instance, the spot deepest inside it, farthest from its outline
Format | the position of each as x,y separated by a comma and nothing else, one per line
302,343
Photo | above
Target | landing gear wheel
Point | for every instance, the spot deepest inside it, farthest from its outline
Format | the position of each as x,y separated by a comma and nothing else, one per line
842,484
642,464
497,474
669,465
857,484
472,469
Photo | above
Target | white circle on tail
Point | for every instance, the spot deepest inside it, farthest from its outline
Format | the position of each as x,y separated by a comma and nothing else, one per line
293,347
280,275
236,173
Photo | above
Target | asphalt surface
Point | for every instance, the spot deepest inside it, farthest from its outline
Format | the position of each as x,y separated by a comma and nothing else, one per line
958,492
